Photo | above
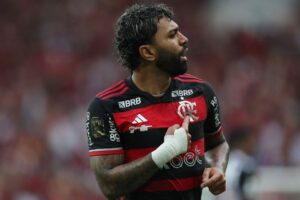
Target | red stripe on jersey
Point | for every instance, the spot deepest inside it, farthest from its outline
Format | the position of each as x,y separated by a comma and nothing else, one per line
133,154
162,115
188,80
113,94
197,147
113,88
189,76
176,184
105,152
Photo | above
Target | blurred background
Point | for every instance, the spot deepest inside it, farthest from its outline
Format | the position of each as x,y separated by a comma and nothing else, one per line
56,55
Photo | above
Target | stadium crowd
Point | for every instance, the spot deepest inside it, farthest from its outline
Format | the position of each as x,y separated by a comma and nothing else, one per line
56,55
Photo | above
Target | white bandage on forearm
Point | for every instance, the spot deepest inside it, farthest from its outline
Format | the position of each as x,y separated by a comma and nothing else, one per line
173,146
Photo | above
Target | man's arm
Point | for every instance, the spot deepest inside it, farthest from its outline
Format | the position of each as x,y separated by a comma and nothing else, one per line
218,156
116,178
214,174
113,176
216,147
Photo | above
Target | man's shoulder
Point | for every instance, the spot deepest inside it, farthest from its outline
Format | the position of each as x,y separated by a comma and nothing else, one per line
188,78
109,96
114,90
191,80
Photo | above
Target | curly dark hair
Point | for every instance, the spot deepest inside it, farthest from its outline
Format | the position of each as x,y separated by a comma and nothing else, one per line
137,26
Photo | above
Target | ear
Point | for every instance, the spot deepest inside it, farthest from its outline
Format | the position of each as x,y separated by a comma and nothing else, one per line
147,52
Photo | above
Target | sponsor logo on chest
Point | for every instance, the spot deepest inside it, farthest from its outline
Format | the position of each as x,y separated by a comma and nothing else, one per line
138,124
130,102
182,93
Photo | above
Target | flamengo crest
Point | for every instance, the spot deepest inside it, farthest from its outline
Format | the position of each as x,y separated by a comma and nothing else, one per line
187,108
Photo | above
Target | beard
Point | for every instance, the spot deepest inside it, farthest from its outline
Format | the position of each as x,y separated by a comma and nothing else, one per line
171,63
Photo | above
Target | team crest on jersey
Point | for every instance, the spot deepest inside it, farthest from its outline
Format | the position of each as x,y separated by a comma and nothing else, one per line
187,108
97,127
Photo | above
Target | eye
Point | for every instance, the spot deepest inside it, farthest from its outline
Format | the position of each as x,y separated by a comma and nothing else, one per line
173,33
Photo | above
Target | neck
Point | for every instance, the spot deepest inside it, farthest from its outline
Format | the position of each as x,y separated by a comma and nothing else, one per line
154,82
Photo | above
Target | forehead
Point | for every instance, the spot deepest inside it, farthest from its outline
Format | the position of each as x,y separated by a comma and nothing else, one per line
165,25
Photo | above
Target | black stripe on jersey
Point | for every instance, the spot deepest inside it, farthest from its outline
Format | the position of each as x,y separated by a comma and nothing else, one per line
196,130
182,172
141,139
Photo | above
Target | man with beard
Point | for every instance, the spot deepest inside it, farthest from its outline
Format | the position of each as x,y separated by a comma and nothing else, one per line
157,134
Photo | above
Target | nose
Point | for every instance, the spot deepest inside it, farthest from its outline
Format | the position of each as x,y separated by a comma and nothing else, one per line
183,39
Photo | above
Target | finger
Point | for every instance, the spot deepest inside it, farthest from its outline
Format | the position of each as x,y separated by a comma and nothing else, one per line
172,129
175,126
218,190
205,176
185,123
218,185
190,140
212,180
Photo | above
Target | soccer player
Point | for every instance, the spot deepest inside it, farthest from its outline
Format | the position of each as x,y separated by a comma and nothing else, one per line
157,134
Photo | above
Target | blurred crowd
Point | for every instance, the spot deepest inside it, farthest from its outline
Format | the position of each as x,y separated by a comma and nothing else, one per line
56,55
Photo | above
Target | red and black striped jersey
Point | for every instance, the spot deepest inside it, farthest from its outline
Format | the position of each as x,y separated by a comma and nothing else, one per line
125,120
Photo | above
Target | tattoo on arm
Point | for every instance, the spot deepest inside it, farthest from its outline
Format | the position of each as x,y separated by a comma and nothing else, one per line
218,156
116,179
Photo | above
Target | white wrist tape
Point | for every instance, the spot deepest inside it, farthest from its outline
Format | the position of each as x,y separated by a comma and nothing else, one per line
173,146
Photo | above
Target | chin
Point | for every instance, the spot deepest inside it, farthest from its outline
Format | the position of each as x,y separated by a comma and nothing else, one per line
182,70
173,68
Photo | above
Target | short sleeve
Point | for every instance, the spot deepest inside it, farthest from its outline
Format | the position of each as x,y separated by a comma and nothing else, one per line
213,133
102,133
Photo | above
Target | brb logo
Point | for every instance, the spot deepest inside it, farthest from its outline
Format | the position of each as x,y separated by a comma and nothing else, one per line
187,108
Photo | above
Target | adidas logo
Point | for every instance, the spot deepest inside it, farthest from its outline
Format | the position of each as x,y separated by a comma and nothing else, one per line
139,119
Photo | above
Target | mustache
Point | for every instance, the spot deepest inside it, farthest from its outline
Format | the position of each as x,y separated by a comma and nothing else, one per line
185,46
184,49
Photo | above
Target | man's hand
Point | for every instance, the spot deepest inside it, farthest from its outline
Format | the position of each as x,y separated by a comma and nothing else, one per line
214,179
185,125
176,141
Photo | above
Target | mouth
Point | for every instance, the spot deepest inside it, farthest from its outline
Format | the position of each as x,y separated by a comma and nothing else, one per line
183,57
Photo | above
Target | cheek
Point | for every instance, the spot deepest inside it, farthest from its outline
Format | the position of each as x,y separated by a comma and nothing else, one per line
171,45
173,52
174,46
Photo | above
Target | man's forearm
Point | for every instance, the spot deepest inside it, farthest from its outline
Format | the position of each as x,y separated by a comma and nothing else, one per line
218,156
123,178
116,178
